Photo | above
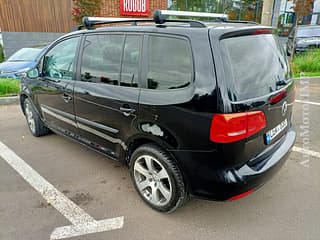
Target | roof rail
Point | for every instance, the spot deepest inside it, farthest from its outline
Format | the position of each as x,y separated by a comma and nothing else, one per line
245,22
89,22
160,16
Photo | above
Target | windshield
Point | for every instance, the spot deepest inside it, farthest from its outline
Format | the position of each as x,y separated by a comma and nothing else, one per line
25,54
253,65
308,32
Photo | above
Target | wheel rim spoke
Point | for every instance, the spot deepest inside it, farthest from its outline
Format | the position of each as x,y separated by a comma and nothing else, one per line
140,169
149,163
143,185
164,191
155,198
162,174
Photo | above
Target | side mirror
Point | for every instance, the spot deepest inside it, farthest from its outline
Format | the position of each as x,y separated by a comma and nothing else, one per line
33,73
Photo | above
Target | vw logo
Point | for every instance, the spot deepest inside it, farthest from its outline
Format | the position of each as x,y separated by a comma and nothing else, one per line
284,108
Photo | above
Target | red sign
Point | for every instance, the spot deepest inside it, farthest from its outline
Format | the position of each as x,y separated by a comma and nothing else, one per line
134,7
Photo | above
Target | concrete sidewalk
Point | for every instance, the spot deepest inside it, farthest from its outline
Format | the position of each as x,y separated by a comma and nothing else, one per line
9,100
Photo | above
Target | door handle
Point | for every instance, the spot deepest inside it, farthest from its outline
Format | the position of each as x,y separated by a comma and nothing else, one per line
126,110
67,98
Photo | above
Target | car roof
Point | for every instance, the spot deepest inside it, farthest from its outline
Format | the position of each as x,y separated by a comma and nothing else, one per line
220,27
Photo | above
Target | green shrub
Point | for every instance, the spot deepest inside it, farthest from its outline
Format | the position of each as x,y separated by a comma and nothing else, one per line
308,62
9,86
1,54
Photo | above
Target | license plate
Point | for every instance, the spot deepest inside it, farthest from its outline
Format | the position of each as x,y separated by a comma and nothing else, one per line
275,131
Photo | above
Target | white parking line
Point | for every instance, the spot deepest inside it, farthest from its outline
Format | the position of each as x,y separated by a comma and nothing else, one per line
307,102
306,151
82,222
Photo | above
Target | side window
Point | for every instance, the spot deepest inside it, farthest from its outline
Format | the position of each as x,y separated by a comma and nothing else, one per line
169,63
130,61
101,59
58,62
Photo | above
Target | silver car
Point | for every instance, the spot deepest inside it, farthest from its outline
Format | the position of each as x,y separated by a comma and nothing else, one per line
308,37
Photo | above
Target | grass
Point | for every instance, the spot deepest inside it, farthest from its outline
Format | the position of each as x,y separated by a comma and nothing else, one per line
307,63
9,87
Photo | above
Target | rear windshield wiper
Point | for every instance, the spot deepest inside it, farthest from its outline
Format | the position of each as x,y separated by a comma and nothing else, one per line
281,83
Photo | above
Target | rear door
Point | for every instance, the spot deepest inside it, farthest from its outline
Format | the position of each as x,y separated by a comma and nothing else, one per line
256,77
57,83
107,93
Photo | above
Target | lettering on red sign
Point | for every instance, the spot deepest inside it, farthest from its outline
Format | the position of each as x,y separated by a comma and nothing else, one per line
134,7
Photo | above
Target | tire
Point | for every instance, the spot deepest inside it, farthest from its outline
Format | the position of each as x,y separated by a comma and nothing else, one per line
35,124
157,178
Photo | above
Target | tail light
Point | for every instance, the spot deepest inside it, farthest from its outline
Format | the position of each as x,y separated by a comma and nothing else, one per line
277,98
227,128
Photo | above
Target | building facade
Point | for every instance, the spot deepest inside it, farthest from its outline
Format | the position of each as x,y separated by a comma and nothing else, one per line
30,23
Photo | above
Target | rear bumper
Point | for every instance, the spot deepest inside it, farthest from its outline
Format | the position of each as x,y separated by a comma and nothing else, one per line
205,180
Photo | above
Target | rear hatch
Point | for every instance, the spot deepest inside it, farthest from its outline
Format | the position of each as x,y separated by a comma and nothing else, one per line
257,95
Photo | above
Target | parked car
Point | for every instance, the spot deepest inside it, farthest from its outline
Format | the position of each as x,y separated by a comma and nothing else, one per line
20,62
308,37
193,108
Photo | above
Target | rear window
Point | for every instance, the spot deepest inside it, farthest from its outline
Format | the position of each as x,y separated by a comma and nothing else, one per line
253,65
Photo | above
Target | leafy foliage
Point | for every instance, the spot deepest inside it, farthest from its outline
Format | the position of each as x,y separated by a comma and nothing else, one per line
9,86
1,54
84,8
302,7
248,10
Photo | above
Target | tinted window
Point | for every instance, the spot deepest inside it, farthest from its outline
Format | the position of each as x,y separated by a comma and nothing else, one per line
101,59
130,62
58,62
308,32
253,65
169,63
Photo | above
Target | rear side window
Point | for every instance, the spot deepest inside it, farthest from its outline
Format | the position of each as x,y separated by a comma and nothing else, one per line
101,59
111,59
169,63
130,61
253,65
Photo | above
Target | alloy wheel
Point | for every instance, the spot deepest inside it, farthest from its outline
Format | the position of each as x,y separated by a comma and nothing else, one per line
30,118
152,180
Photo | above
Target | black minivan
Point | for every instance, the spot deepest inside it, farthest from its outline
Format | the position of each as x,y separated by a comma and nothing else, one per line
193,108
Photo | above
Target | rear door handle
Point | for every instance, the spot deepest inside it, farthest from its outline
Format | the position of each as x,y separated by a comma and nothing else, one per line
67,98
126,110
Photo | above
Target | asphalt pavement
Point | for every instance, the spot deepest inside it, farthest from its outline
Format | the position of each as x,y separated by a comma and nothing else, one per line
286,207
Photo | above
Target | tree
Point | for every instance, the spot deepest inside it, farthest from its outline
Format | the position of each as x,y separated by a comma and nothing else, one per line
249,10
301,8
84,8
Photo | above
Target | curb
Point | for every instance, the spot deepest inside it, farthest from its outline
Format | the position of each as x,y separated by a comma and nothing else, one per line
9,100
309,78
